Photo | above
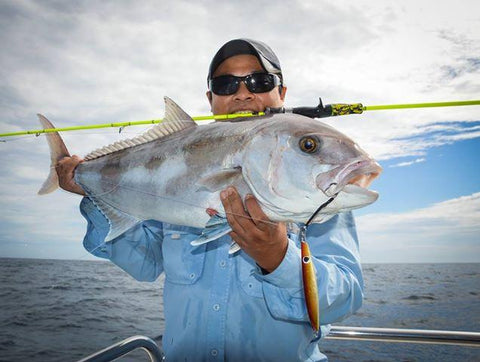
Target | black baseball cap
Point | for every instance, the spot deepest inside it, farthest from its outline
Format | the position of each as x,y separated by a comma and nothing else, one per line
262,51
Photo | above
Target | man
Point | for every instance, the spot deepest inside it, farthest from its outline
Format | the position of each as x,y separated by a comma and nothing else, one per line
247,306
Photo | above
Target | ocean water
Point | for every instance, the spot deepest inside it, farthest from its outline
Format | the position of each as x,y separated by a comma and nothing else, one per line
60,310
414,296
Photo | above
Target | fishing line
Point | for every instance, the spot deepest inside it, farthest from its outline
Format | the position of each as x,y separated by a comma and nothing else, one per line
18,138
303,229
321,207
86,254
114,188
73,134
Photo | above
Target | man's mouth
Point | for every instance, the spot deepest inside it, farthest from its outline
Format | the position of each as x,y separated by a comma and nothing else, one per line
244,111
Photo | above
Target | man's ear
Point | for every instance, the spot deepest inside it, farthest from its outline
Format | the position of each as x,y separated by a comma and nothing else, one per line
283,91
209,96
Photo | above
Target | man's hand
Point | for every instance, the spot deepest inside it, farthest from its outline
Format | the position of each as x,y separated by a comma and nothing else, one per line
66,171
265,241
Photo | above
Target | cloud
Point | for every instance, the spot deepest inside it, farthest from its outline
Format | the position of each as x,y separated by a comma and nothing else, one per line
409,163
447,231
421,138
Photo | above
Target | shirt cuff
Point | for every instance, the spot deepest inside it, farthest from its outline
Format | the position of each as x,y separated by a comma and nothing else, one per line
97,229
289,273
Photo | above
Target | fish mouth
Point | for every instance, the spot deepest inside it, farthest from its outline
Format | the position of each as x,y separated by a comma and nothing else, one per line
353,178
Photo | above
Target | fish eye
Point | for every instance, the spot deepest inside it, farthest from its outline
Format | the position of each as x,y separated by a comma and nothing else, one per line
308,144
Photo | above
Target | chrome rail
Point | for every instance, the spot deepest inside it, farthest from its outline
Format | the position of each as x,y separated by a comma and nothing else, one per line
128,345
471,339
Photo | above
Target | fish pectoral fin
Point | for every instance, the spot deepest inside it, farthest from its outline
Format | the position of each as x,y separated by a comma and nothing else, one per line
234,247
215,228
221,179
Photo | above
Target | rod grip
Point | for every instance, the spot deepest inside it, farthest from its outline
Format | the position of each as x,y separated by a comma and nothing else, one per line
330,110
341,109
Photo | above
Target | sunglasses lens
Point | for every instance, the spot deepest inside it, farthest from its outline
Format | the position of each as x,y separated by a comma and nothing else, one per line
256,83
260,82
224,85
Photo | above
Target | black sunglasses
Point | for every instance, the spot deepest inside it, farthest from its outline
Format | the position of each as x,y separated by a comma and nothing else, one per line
256,83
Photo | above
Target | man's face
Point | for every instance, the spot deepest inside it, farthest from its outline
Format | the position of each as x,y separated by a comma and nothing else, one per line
243,99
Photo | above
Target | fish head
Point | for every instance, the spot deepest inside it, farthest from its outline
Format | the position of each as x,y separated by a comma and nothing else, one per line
295,164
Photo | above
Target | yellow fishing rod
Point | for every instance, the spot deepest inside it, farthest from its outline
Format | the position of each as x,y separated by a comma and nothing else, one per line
342,109
320,111
37,132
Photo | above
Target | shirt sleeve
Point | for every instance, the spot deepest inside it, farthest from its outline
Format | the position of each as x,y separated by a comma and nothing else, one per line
137,251
335,254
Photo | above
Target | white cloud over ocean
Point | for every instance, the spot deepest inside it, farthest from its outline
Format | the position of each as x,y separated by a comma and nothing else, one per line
437,233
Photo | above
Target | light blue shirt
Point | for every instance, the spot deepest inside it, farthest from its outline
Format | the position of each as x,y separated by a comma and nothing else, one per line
220,307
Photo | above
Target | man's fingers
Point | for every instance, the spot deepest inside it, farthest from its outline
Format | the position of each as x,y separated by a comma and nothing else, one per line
256,213
66,171
69,163
228,198
235,237
237,217
76,160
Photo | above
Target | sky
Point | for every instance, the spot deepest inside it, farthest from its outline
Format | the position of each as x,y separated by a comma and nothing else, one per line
112,61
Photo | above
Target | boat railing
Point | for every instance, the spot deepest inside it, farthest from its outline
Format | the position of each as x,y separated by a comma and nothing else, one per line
126,346
405,335
471,339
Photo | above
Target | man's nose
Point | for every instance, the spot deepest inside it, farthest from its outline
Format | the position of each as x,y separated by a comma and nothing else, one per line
243,93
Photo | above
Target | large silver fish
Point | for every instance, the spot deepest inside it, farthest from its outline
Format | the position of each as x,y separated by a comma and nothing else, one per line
175,171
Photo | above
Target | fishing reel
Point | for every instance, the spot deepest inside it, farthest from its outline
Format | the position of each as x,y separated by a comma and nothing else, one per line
320,111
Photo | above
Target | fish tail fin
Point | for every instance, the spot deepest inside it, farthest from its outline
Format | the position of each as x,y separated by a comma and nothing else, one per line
58,150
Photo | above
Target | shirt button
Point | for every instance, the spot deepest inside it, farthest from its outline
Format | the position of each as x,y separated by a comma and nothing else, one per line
192,275
214,352
223,263
216,307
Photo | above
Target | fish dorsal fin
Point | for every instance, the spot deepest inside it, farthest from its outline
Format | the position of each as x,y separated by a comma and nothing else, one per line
174,114
175,120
